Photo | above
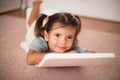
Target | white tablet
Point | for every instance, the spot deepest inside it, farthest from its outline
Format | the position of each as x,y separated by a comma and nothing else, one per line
80,59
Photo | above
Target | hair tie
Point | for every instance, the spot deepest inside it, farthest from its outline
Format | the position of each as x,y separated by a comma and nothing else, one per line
45,21
76,19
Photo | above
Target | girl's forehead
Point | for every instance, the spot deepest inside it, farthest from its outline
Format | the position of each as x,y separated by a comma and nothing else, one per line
63,29
59,25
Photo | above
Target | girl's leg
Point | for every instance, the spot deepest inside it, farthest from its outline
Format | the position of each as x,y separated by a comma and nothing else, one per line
35,11
30,31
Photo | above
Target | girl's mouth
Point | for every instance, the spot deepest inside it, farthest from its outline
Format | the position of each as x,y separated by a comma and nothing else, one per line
62,48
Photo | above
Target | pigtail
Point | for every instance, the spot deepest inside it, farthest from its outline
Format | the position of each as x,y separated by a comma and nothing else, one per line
79,23
77,18
39,27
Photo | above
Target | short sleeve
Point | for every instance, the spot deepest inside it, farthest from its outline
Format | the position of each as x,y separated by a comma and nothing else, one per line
78,49
39,45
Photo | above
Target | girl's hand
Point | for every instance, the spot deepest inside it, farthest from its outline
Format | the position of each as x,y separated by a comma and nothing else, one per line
89,51
72,51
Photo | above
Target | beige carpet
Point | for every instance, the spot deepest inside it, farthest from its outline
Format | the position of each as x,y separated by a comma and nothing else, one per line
12,57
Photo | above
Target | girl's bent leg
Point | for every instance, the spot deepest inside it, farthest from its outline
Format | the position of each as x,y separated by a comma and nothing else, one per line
35,12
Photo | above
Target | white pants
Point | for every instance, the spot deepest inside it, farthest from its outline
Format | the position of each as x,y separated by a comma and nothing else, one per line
29,36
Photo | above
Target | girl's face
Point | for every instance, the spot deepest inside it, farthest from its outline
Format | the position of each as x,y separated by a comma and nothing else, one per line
60,39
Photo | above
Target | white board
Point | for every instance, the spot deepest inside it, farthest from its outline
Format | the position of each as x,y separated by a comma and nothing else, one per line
81,59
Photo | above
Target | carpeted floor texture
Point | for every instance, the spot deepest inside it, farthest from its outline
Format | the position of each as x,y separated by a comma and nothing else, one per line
13,59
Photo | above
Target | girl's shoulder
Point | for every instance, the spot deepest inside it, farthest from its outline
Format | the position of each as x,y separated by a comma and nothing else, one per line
39,39
39,44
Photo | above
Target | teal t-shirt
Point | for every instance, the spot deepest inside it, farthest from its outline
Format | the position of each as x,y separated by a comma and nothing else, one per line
40,45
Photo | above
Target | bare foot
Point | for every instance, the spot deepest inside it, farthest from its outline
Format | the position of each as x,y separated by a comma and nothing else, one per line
38,1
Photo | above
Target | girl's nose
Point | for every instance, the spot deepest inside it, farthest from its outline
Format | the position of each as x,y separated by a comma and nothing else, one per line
63,41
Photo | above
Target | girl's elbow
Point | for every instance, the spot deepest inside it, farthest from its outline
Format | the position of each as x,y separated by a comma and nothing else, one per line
29,58
29,62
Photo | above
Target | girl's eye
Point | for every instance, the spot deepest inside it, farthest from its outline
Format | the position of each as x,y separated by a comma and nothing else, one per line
70,37
57,35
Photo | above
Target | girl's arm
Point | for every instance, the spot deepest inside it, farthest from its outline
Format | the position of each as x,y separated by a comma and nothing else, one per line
86,51
89,51
72,51
34,57
77,49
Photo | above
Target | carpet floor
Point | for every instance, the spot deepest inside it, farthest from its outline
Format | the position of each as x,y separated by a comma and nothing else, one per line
13,59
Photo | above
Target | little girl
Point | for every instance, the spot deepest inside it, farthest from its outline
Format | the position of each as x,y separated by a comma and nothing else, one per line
53,34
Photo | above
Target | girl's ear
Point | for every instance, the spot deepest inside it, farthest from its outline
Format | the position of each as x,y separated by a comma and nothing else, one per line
45,35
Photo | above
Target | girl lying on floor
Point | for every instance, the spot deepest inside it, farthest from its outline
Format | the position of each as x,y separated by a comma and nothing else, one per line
52,34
